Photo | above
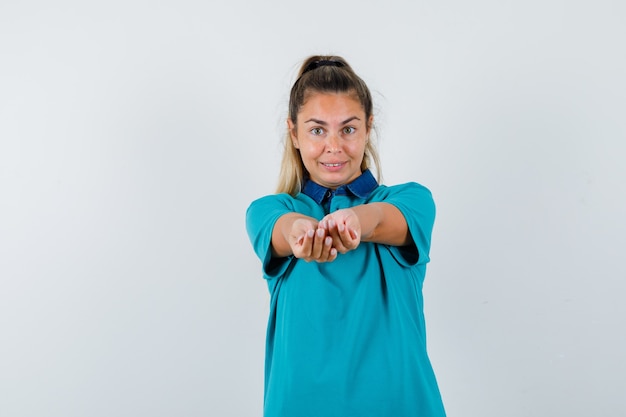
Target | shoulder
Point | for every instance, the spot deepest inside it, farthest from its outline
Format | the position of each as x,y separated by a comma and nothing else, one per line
414,200
280,203
409,191
270,204
280,200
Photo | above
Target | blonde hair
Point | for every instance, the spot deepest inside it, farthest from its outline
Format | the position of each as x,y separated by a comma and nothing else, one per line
322,74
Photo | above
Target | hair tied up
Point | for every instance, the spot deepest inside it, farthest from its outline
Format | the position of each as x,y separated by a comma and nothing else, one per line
322,63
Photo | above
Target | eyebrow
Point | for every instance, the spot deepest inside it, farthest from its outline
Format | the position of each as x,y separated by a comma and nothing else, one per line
323,123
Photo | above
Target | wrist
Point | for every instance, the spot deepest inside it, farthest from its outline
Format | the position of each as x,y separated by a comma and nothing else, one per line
370,216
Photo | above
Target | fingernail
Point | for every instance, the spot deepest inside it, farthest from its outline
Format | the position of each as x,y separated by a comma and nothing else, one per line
328,241
320,232
341,227
310,233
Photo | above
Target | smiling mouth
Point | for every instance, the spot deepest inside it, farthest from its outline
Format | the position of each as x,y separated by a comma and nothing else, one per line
333,165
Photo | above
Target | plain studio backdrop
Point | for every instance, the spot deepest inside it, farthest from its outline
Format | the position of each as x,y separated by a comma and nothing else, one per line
134,134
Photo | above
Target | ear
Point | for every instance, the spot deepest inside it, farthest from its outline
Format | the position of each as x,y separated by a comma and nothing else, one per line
370,123
292,134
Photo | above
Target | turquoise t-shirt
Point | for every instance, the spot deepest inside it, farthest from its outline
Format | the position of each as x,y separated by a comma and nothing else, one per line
347,338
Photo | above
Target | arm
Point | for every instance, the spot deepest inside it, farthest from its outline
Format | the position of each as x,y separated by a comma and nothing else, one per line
375,222
383,223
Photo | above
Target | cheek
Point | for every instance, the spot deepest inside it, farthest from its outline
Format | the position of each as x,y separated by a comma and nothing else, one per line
311,149
357,148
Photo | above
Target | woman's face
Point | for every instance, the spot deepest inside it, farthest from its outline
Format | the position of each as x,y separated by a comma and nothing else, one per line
331,134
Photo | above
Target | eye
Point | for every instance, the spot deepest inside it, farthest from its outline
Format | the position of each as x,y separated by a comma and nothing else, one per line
349,130
317,131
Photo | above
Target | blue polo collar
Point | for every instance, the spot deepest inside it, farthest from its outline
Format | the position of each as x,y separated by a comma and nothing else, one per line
361,187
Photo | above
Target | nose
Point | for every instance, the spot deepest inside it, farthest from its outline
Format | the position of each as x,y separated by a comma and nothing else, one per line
332,144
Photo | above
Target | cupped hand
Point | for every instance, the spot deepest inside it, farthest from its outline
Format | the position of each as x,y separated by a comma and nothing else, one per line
344,227
310,242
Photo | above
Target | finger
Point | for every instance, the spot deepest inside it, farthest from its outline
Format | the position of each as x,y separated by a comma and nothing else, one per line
343,240
318,243
332,255
306,246
334,233
325,256
349,237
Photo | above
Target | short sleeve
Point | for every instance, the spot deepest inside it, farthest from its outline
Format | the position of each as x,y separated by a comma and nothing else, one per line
261,217
416,203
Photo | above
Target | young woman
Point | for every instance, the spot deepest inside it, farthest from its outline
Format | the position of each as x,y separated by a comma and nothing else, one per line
344,258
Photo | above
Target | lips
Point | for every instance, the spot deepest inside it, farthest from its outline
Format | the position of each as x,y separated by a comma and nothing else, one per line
333,167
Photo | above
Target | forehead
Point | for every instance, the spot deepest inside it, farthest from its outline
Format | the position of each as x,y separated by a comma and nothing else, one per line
329,104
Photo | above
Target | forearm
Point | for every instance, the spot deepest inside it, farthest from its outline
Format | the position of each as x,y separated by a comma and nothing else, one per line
382,223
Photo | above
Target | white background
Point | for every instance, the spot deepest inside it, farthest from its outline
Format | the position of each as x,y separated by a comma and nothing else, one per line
133,135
